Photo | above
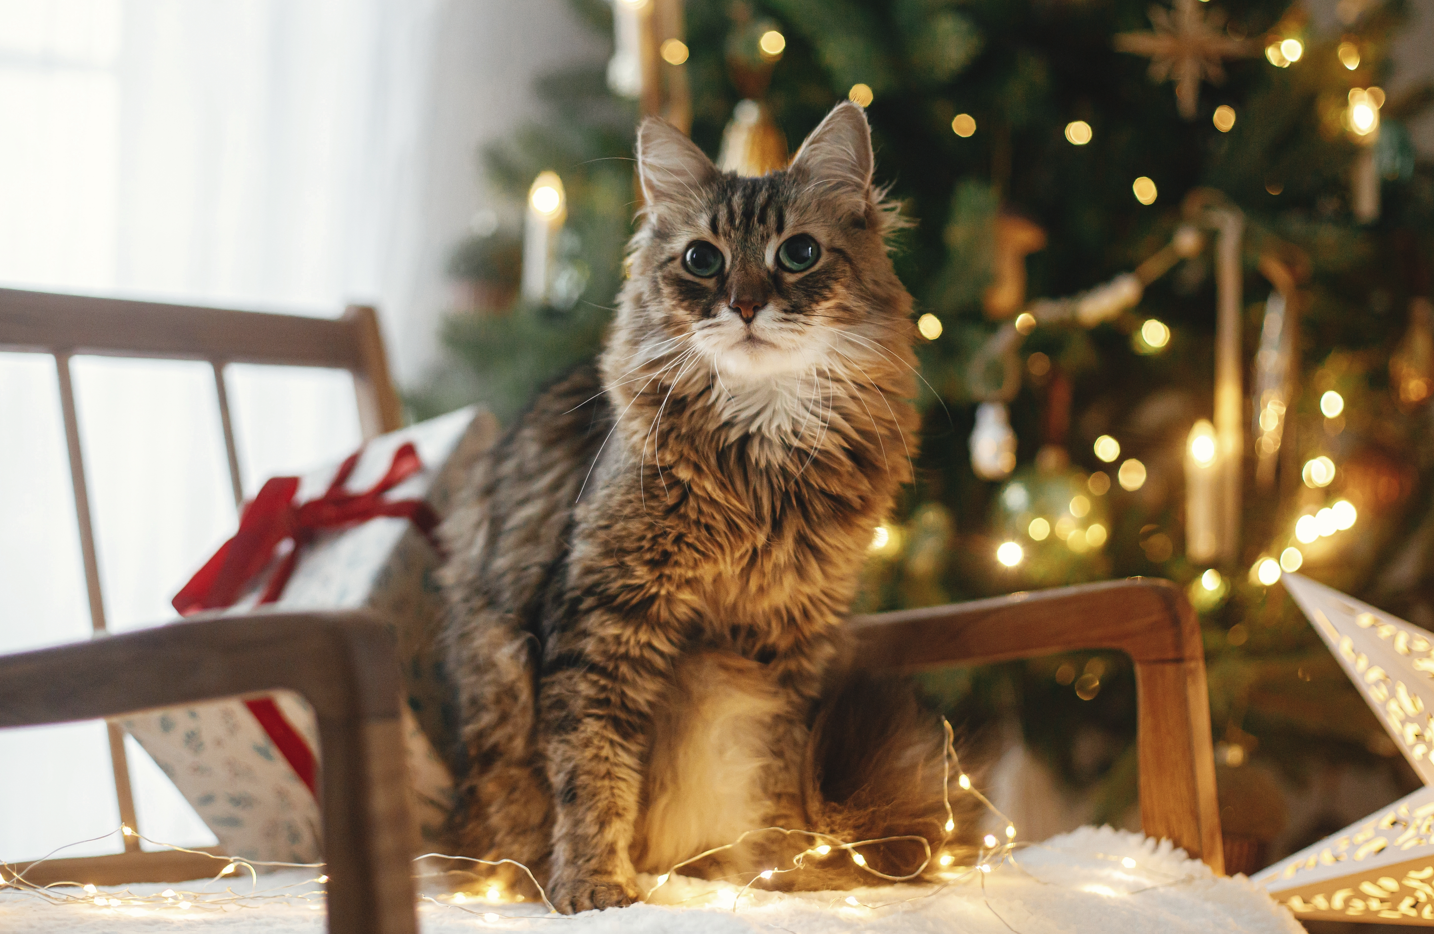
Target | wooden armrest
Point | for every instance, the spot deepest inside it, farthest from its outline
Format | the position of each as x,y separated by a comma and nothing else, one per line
1150,620
343,663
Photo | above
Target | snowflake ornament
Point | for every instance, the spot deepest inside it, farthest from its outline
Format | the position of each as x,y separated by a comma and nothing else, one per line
1187,45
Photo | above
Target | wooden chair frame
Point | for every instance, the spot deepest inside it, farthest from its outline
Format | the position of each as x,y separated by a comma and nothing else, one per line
64,326
344,664
336,660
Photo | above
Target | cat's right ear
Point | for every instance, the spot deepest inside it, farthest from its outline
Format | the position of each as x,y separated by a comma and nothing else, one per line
671,167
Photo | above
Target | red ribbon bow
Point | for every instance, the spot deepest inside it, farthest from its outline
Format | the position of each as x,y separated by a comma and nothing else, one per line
273,518
267,522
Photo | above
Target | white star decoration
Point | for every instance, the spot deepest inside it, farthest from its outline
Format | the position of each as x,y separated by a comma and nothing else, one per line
1381,868
1186,46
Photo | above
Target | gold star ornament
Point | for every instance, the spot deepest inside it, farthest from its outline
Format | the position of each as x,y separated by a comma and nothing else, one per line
1186,46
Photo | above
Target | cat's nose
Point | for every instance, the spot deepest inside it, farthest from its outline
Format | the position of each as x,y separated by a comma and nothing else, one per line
747,306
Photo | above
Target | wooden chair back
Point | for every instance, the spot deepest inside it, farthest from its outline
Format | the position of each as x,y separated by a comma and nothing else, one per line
64,326
1149,620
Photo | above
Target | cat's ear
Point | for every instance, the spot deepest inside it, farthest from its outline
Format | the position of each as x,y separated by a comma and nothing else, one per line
837,153
671,167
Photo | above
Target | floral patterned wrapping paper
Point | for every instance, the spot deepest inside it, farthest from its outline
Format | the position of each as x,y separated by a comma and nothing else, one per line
217,754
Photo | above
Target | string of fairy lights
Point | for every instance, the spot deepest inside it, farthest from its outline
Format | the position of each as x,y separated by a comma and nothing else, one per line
482,895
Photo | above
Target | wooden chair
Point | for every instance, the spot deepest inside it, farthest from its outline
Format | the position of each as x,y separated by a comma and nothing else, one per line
63,326
354,690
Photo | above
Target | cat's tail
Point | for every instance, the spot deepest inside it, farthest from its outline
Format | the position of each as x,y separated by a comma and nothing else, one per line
879,769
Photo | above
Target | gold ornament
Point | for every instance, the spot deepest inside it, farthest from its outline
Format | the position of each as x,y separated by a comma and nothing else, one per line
752,144
1186,46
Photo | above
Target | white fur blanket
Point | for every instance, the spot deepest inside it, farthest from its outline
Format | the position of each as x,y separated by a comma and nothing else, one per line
1091,880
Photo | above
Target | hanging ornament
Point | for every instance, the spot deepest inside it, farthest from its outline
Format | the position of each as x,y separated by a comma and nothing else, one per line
1015,239
1054,514
629,28
1186,46
993,443
542,228
1229,224
1379,869
1411,368
752,144
1271,396
648,59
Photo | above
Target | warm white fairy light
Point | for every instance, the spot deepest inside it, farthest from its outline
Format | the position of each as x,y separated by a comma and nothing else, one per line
1267,571
1318,472
860,95
1331,404
1211,579
1145,190
1155,333
1039,529
1025,322
1107,448
1291,559
963,125
1292,49
930,326
850,900
1344,515
1078,132
1009,554
989,840
304,891
1224,118
1202,443
1128,863
1131,475
772,43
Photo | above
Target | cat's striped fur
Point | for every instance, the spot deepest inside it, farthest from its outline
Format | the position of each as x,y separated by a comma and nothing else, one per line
648,577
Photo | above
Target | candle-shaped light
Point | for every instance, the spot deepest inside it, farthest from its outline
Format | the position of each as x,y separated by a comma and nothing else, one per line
624,69
547,209
1202,481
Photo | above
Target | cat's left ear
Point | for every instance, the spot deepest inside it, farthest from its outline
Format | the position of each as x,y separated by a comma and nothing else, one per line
671,167
838,153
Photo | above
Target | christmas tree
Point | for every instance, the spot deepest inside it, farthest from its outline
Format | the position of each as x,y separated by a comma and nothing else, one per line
1113,204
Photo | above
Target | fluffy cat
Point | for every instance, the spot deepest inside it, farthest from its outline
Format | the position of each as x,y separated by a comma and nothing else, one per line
648,575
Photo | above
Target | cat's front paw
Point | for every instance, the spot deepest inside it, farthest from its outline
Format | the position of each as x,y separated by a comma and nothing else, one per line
575,895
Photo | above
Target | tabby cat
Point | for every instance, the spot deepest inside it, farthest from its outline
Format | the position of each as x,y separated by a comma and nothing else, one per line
648,575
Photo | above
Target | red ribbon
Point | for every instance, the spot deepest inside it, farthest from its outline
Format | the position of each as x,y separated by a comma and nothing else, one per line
273,518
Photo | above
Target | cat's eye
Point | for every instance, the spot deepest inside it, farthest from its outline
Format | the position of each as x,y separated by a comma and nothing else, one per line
702,259
798,254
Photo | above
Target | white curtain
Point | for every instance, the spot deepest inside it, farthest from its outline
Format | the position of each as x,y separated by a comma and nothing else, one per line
255,154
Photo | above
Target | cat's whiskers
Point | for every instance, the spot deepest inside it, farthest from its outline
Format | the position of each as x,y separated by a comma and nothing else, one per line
887,402
875,429
618,421
619,381
826,423
890,357
657,427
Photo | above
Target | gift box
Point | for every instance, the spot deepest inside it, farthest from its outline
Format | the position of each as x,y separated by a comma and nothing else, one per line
358,535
